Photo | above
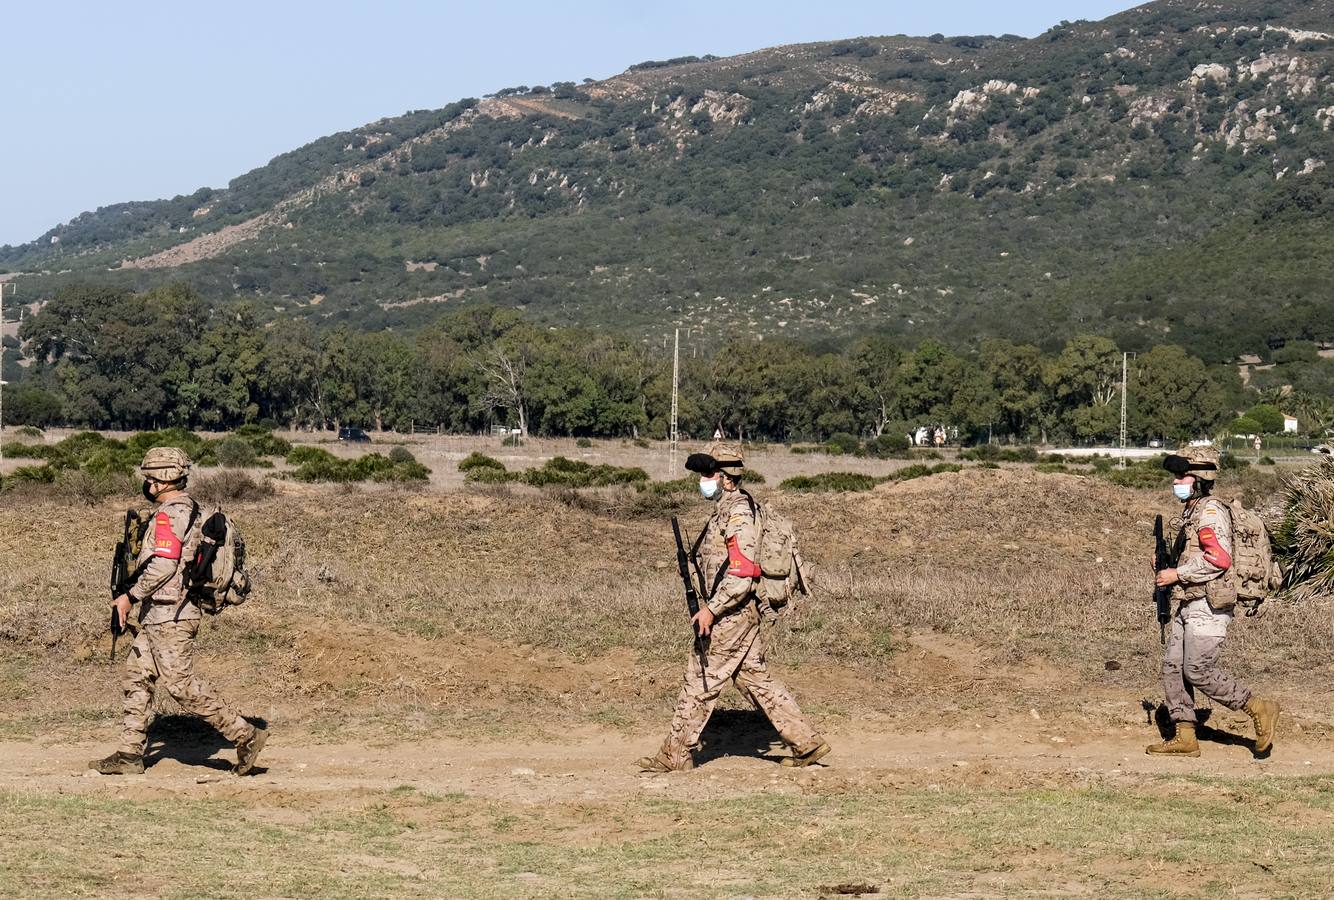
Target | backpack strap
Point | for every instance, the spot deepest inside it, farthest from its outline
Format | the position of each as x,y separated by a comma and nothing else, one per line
189,526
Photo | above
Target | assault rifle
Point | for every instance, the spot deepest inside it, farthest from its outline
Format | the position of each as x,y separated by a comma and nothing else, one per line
122,579
1163,558
692,601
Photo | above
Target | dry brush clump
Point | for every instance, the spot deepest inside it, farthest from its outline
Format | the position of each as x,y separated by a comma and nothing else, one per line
1305,535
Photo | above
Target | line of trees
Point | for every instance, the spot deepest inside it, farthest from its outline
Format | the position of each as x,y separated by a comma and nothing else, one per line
107,358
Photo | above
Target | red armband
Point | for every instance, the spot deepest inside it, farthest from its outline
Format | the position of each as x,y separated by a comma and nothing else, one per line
737,562
1214,553
165,542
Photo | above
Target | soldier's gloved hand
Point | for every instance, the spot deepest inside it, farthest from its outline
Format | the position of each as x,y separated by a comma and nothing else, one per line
703,621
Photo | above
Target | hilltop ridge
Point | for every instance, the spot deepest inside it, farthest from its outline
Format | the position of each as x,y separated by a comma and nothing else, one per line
956,186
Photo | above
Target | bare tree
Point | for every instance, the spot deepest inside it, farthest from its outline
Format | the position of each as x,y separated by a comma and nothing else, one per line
505,371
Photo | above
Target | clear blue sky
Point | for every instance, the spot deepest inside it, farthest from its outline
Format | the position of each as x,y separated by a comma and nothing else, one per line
102,102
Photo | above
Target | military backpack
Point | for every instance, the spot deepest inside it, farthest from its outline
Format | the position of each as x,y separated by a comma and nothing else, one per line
783,572
1254,569
216,575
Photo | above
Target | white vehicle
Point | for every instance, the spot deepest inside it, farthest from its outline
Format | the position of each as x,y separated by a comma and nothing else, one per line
1323,449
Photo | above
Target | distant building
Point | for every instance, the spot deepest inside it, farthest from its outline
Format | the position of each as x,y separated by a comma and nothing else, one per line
1290,424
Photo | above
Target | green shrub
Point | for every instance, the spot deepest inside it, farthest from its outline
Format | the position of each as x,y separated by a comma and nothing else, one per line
1051,468
1229,460
110,461
401,454
750,476
299,456
1138,475
235,453
888,446
489,475
583,443
474,461
1266,461
33,475
200,451
263,441
829,481
511,441
641,443
31,431
996,453
564,472
842,443
230,486
371,467
17,450
988,465
687,485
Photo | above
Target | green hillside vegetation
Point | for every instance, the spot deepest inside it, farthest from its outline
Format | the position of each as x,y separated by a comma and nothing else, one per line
1157,177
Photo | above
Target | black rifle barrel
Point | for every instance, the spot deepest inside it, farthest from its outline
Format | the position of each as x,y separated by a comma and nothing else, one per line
1162,594
692,600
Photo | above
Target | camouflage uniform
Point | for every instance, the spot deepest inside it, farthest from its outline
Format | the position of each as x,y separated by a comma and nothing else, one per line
735,645
1205,597
1206,593
168,623
164,648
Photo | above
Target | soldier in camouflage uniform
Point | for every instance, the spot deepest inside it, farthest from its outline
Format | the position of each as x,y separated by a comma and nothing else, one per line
731,623
168,622
1205,591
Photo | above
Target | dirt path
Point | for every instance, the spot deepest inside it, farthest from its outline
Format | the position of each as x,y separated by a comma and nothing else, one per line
596,765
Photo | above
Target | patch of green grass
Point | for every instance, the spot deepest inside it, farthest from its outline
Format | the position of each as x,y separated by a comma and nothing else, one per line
1099,840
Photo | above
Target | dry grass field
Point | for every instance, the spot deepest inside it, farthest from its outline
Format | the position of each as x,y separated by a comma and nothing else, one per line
458,679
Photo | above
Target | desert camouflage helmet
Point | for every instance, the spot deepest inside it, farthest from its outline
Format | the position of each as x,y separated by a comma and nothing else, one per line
165,464
1202,462
717,457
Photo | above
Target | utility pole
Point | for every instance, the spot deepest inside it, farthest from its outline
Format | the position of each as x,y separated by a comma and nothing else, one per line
1124,370
3,285
675,436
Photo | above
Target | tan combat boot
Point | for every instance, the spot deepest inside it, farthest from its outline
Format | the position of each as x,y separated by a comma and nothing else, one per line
119,763
1264,713
660,764
247,751
797,760
1183,743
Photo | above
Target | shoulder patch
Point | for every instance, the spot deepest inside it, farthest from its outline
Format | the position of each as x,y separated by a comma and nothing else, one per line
165,542
1212,512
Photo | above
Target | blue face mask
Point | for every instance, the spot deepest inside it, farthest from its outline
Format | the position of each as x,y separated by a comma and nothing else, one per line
1183,491
709,488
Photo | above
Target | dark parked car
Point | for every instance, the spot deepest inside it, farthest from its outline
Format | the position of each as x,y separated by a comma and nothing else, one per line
356,435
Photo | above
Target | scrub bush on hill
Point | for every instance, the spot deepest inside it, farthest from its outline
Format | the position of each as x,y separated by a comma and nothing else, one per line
263,440
235,453
555,472
573,473
855,481
322,465
476,462
830,481
299,456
